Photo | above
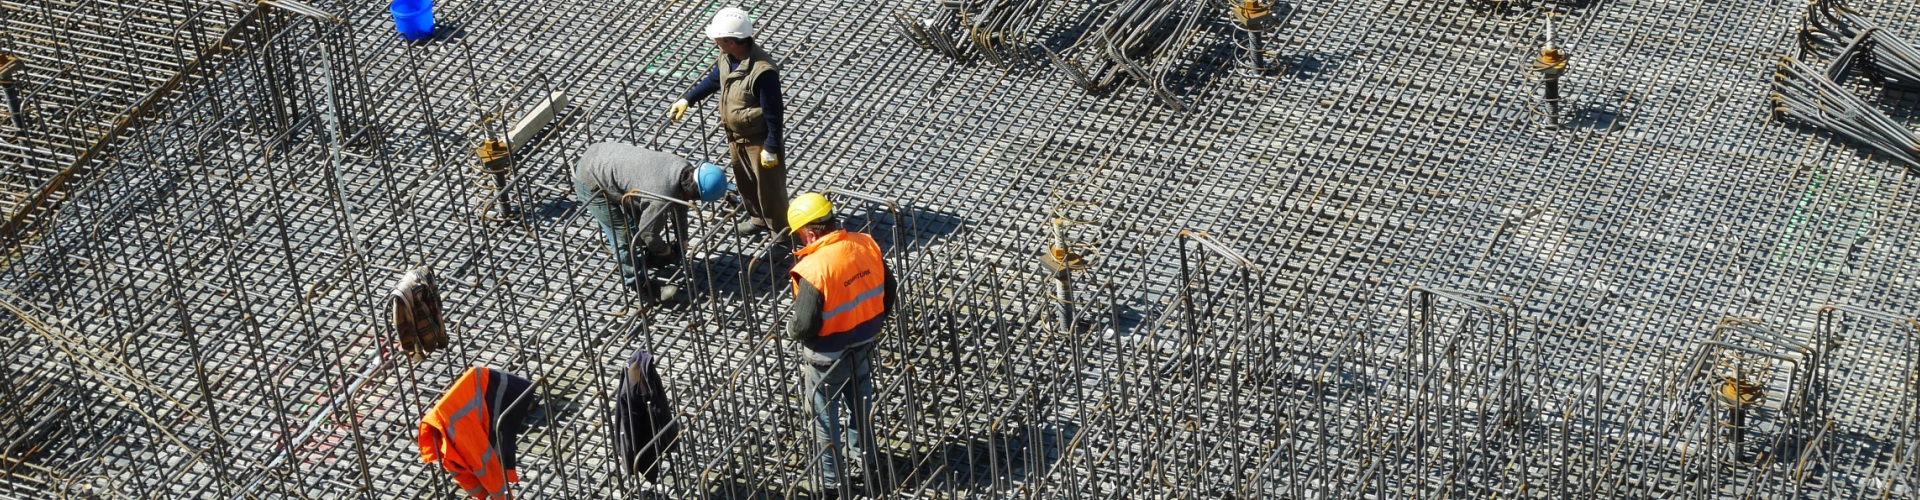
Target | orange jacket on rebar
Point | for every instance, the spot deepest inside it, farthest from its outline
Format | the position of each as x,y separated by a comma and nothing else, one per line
847,269
458,433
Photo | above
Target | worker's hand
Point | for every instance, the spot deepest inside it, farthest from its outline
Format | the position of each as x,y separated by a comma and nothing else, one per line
678,111
768,159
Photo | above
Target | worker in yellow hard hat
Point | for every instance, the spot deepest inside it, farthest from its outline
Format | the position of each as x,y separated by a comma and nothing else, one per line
842,294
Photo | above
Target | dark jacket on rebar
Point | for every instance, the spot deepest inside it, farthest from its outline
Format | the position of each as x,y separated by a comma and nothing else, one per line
615,168
751,106
643,420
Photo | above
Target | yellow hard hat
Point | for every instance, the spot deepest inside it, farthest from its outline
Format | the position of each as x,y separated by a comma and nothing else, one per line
805,209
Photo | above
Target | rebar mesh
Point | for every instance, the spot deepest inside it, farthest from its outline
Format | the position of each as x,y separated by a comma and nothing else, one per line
1368,273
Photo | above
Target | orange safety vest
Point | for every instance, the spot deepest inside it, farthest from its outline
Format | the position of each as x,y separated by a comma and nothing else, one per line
457,433
852,279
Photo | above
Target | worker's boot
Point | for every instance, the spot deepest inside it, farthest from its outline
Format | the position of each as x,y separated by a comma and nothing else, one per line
665,294
748,228
662,259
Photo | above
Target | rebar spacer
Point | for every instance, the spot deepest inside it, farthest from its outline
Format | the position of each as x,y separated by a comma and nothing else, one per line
1738,393
493,157
1255,15
8,63
1551,63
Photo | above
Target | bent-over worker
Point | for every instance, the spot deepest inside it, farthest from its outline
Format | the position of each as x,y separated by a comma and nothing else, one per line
614,181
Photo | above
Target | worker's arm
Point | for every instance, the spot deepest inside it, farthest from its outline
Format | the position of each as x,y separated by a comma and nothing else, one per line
773,108
707,86
893,292
652,223
807,301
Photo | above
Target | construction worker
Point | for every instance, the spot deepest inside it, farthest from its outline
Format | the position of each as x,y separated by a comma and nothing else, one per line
753,114
614,181
842,293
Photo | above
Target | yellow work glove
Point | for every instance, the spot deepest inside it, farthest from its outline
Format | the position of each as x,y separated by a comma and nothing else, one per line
678,110
768,159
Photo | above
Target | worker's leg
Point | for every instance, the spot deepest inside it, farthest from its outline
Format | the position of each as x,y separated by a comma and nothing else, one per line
614,224
746,159
823,417
827,387
771,186
765,188
859,401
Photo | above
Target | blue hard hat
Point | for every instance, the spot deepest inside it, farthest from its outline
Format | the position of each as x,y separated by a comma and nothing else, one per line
713,181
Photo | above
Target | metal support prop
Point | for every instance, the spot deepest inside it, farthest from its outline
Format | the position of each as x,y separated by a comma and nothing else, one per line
1731,374
1061,261
496,155
1252,19
1551,65
8,66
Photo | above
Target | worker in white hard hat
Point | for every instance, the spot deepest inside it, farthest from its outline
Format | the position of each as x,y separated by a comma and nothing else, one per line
753,114
842,296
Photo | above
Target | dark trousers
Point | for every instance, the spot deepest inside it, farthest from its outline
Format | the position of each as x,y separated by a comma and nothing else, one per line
765,189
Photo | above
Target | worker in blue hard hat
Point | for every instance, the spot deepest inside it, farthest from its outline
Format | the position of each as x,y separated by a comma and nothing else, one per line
754,115
623,186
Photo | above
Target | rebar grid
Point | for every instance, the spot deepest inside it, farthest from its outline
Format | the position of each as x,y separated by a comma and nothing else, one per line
81,68
1365,277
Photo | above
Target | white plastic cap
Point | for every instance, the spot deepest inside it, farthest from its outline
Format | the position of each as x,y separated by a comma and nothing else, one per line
730,23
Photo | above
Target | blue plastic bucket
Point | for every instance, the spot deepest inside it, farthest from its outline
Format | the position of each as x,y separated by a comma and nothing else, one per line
414,18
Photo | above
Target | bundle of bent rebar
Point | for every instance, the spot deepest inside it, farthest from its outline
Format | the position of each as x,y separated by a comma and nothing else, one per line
1833,30
996,28
1806,94
1137,40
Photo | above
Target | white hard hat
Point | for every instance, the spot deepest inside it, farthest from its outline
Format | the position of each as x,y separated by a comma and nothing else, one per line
730,23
